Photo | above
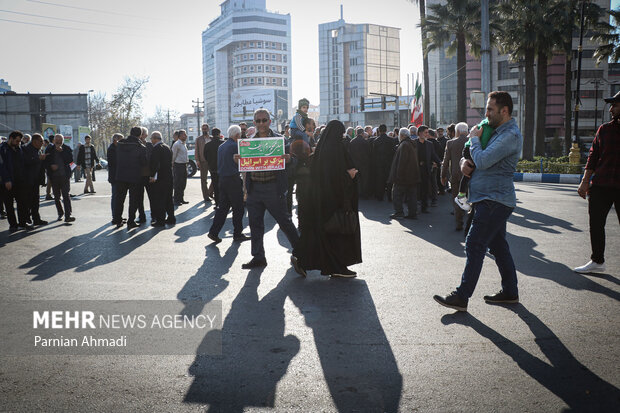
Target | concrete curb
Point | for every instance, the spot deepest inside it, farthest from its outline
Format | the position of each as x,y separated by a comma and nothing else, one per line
548,178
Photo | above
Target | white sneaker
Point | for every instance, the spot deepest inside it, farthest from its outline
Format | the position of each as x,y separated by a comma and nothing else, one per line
591,266
462,203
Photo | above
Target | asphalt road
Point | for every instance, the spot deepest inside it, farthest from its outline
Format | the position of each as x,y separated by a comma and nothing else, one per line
375,343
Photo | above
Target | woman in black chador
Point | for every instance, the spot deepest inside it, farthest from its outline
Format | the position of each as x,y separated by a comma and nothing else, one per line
333,190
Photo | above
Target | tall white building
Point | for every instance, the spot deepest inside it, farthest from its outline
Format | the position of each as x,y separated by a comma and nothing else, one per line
356,60
246,60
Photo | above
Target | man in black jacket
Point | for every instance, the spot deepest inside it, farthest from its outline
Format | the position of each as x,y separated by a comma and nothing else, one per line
210,154
58,160
13,182
360,152
426,158
130,158
160,167
35,176
383,149
111,155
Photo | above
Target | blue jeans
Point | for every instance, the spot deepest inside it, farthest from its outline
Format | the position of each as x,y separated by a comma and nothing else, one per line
488,230
265,197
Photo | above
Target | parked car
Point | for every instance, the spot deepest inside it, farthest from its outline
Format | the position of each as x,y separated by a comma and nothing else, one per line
192,168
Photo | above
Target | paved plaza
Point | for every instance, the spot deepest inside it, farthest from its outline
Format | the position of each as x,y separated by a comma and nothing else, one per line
371,344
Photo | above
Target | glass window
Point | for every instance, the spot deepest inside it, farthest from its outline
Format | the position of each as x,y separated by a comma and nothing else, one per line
245,45
245,57
284,46
267,68
273,81
284,59
266,56
284,70
260,80
259,56
273,45
260,68
251,80
251,68
283,82
251,56
273,57
273,69
251,44
245,81
259,44
245,69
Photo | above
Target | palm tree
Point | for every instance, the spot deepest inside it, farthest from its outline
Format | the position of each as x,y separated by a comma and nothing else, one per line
519,38
609,37
426,101
457,24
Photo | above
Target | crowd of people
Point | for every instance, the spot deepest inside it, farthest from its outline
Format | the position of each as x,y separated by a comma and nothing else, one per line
329,168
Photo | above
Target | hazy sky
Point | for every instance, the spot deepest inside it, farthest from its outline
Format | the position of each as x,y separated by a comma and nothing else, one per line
71,47
94,44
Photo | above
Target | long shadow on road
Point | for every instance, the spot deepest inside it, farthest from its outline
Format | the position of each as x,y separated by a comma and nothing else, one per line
357,360
566,377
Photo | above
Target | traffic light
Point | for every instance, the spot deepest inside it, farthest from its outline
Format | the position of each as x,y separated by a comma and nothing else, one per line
383,102
362,104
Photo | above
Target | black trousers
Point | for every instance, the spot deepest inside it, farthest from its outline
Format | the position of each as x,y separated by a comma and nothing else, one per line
423,187
215,178
121,194
144,186
61,186
32,198
179,171
16,194
600,202
231,196
161,200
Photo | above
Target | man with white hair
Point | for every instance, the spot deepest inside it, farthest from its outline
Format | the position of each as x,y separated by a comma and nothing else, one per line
413,131
450,168
405,176
230,190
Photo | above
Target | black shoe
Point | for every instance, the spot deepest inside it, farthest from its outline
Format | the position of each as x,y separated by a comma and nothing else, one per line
452,301
214,238
13,228
27,227
86,191
411,216
49,198
158,224
59,218
502,298
40,222
93,192
254,263
185,202
241,238
171,221
178,203
298,268
2,215
131,224
69,219
397,215
29,221
345,273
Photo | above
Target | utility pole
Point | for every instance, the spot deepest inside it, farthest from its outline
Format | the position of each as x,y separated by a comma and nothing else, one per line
575,152
197,107
485,43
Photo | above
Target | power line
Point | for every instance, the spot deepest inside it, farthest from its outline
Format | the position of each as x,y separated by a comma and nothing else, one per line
62,19
88,9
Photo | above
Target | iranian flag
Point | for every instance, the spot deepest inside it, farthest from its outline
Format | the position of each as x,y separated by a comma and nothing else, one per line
417,117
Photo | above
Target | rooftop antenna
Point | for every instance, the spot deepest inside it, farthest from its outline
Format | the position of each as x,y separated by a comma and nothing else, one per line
341,17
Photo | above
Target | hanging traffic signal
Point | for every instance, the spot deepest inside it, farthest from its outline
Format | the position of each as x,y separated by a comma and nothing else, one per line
362,104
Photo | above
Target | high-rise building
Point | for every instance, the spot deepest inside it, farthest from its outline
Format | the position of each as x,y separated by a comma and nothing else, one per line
355,61
509,76
246,63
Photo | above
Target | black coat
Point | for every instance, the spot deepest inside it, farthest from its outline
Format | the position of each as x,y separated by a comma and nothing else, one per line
360,153
130,158
33,166
210,153
428,155
81,158
331,189
111,155
161,163
67,159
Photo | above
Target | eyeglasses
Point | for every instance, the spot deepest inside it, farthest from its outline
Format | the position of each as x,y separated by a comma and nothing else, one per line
263,120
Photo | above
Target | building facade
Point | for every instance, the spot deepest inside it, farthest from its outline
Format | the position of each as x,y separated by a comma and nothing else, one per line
4,86
356,61
28,112
246,63
191,123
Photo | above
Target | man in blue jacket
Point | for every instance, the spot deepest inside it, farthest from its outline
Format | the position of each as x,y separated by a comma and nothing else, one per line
130,158
492,193
58,164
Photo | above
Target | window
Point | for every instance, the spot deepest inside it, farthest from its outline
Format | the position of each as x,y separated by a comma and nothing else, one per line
245,81
266,45
251,56
259,44
260,68
284,58
273,69
259,56
284,46
273,57
273,81
266,56
251,68
245,45
251,44
251,80
245,69
273,45
260,80
284,70
267,68
245,57
283,82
